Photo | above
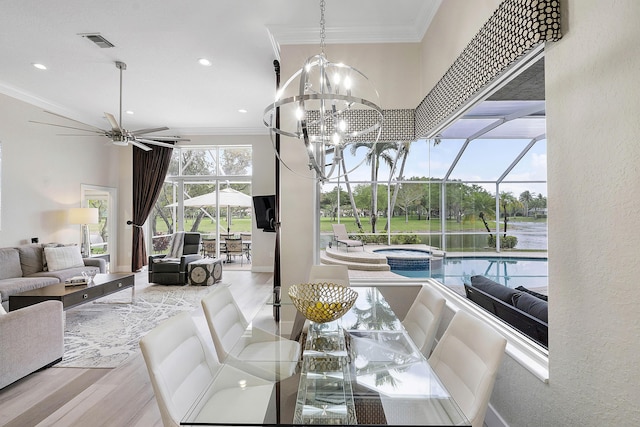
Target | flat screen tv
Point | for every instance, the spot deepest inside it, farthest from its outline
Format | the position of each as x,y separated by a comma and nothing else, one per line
265,212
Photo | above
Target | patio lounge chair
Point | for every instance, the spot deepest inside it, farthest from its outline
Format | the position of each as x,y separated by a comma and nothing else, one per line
340,235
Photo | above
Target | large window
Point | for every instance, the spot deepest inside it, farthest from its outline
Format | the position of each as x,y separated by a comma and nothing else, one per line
206,175
430,200
476,190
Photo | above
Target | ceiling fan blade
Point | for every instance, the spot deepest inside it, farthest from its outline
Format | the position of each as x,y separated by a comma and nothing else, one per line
158,143
73,120
150,130
139,145
99,131
166,138
73,134
114,123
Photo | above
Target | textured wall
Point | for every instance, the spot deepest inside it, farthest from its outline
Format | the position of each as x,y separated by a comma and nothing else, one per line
593,175
592,108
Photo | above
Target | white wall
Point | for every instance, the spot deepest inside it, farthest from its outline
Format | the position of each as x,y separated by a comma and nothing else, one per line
42,173
594,175
453,27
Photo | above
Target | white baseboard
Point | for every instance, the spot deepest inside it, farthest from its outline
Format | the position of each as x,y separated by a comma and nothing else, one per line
493,419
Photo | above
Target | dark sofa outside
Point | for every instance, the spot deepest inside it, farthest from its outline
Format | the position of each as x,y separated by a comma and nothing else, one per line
523,309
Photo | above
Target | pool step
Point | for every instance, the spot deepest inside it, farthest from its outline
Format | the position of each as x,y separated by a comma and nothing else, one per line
355,259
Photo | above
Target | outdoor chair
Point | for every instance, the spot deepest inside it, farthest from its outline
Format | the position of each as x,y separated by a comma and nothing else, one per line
234,248
209,248
341,237
171,268
246,245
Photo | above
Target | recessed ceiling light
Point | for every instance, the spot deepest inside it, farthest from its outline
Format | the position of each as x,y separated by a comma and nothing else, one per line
129,112
242,110
204,61
39,66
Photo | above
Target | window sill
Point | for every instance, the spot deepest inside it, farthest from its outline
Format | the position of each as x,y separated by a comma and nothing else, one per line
521,348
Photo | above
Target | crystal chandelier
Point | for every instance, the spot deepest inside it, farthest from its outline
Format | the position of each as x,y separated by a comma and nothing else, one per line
327,106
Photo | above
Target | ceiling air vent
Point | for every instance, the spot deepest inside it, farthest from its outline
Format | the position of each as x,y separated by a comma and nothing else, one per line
98,40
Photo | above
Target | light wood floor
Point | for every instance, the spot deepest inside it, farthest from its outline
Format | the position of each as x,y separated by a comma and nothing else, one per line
107,397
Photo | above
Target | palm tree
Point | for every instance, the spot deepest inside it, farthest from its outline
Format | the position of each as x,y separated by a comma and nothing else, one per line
506,199
376,151
356,215
526,197
403,148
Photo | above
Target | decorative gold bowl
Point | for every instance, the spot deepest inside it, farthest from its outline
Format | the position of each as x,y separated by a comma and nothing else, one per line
322,302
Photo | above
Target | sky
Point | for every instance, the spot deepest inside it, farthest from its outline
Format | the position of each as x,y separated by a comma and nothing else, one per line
483,160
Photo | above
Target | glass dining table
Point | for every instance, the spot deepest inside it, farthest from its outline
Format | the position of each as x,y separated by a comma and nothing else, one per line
362,369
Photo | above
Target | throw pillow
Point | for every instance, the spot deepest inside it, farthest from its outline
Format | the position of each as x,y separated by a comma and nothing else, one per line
10,262
63,257
31,259
532,305
45,267
497,290
534,293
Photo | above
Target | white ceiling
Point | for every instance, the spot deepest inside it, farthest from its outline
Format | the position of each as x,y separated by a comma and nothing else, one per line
161,41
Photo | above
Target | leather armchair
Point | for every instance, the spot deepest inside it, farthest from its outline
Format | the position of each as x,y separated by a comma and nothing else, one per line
174,272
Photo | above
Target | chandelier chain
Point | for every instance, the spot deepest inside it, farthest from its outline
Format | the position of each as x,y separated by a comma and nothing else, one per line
322,34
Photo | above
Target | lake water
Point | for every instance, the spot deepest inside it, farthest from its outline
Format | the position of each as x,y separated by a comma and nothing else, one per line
531,235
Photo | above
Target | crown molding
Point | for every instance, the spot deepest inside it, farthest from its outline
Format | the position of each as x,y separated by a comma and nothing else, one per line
414,33
185,132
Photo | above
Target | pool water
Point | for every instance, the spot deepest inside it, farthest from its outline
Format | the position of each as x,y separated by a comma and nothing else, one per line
511,272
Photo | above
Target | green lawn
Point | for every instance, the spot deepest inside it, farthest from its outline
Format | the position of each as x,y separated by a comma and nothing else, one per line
411,231
413,225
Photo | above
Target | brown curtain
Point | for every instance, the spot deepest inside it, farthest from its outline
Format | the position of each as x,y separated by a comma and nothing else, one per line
149,171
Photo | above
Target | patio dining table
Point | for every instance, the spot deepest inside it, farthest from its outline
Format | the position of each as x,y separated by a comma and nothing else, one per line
362,369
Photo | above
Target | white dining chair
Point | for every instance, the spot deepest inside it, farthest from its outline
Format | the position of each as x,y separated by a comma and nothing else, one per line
338,274
423,318
181,367
254,350
466,359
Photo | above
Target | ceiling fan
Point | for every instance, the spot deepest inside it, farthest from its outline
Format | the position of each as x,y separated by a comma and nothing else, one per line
117,134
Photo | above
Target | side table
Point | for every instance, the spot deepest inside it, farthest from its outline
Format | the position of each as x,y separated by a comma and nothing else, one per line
204,272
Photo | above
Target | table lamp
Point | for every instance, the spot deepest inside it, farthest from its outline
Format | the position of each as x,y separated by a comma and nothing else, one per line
84,217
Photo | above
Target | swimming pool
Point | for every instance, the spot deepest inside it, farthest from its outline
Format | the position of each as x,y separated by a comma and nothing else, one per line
509,271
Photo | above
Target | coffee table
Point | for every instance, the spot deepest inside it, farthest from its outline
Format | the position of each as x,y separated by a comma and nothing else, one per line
71,296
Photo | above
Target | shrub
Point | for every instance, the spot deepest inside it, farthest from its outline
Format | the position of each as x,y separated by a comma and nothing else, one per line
405,239
508,242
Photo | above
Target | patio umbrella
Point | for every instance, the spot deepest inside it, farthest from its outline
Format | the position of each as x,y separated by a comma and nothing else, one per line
228,197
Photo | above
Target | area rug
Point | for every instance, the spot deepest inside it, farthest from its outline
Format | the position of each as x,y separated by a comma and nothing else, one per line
105,333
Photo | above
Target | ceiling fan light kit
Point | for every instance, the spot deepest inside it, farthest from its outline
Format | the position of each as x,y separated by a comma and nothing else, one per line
117,134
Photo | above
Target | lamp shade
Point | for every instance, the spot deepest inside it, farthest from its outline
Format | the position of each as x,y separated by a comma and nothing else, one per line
83,216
